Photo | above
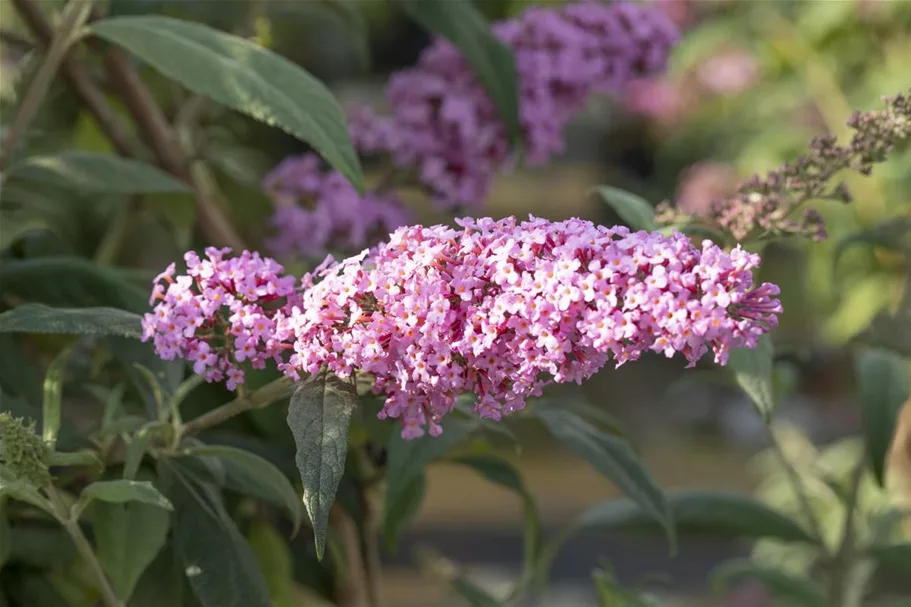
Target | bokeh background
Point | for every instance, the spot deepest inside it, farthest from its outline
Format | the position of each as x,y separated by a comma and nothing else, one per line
749,85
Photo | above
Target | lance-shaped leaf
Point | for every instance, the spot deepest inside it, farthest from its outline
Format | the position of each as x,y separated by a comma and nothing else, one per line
243,76
53,395
319,415
882,378
252,475
95,173
615,459
38,318
753,371
406,507
121,492
635,211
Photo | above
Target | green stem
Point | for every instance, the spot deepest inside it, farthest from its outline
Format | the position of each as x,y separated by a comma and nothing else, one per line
84,548
268,394
75,14
843,588
797,485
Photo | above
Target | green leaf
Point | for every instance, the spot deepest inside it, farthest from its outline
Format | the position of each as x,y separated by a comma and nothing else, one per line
53,395
22,491
882,378
120,492
501,472
216,558
243,76
407,459
784,586
162,582
398,515
38,318
889,234
895,557
753,370
275,561
139,444
721,513
253,475
80,458
493,63
95,173
17,376
319,415
128,538
615,459
634,210
69,281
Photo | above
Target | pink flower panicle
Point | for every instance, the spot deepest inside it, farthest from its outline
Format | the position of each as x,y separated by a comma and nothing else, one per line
501,309
223,312
446,129
320,211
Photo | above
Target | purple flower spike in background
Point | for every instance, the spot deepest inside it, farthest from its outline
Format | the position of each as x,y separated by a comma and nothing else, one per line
445,128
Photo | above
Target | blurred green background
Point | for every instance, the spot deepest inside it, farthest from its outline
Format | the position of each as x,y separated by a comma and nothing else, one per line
749,85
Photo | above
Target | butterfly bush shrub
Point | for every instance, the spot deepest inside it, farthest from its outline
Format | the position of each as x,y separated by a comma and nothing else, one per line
247,435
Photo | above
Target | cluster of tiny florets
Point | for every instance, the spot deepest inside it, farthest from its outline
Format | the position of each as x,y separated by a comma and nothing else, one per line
318,211
22,451
223,312
500,309
445,131
765,206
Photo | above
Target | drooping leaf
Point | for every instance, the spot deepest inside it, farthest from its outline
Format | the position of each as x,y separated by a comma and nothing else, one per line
796,591
252,475
493,63
634,210
719,513
215,557
615,459
38,318
53,395
882,378
753,371
121,492
95,173
243,76
319,415
407,506
501,472
128,537
68,281
406,460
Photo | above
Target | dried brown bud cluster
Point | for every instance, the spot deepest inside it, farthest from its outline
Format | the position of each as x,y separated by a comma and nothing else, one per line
765,206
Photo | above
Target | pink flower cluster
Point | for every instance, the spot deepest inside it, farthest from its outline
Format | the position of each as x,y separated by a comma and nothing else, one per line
445,124
320,211
223,312
496,307
446,129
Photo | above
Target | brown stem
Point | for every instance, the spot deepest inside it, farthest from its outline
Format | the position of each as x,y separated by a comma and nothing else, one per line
353,589
80,80
162,138
74,16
